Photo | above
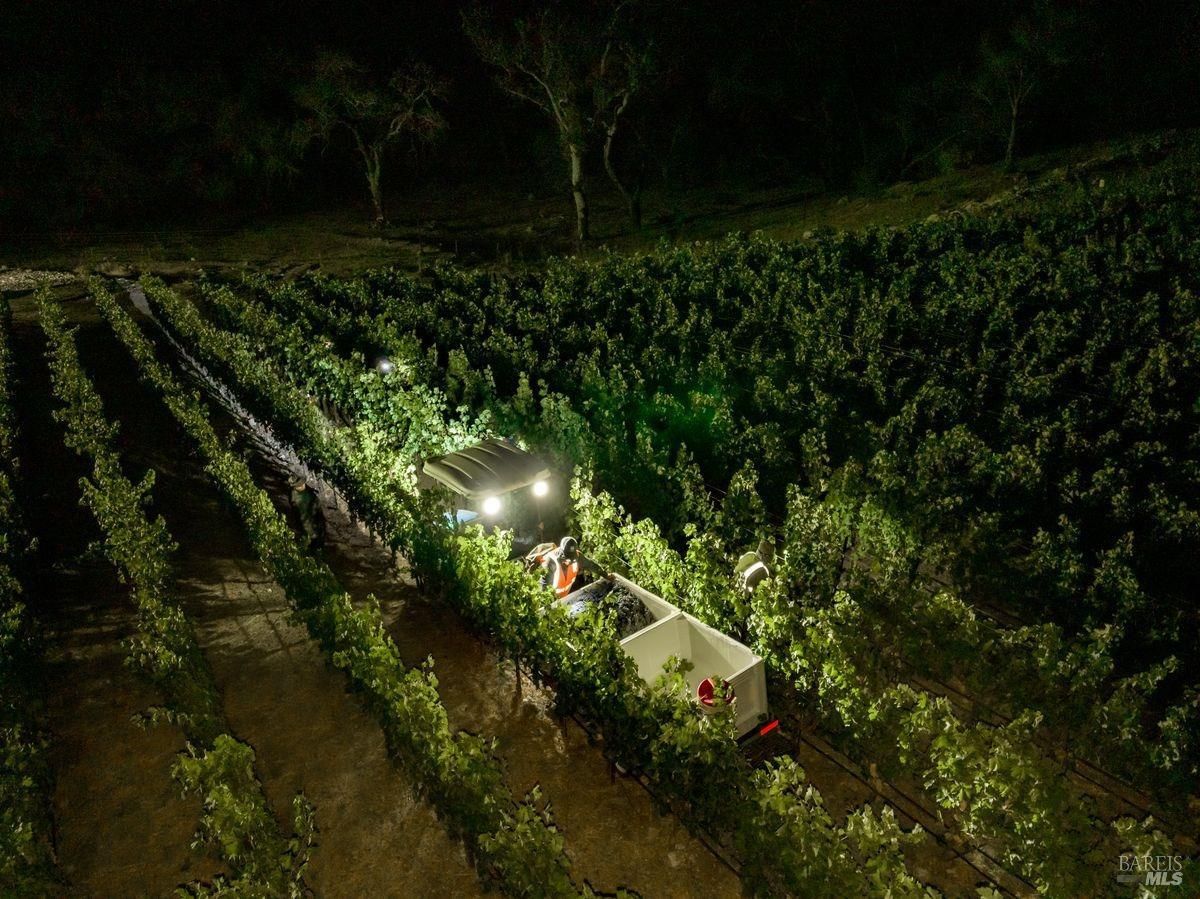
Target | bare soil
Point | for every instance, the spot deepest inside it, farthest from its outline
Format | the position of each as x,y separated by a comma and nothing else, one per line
123,830
122,827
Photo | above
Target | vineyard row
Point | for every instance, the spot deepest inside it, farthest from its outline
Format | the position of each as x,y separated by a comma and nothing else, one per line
772,818
514,845
992,781
237,819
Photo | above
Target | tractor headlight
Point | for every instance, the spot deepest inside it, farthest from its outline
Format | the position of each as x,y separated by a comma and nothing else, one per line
491,505
540,488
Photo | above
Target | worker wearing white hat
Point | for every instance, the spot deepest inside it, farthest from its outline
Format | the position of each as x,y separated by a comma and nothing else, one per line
754,567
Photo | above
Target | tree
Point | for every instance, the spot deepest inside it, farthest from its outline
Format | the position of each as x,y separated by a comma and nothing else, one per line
625,68
1012,69
582,69
342,93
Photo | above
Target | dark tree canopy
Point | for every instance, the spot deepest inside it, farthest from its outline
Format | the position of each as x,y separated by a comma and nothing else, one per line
582,66
340,93
119,111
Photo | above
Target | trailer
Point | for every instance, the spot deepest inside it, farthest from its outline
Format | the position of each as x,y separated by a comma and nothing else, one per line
714,655
495,483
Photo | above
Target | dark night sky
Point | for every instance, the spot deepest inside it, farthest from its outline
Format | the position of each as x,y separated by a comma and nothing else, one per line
108,108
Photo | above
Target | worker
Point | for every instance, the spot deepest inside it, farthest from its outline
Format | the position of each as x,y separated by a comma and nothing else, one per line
308,508
560,566
754,567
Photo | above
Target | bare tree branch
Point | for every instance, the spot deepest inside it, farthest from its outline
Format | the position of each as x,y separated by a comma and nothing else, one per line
340,93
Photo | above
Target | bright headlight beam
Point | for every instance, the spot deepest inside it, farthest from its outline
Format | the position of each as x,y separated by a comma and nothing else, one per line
540,488
491,505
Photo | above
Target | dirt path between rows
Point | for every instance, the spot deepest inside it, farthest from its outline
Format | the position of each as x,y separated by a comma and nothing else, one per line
375,837
122,827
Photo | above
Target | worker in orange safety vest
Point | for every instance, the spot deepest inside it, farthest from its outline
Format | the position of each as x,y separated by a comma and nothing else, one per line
560,566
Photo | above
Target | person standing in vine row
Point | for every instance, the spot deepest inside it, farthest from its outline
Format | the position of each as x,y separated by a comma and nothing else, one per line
307,506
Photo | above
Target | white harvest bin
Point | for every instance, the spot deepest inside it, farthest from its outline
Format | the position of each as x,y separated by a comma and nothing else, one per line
676,633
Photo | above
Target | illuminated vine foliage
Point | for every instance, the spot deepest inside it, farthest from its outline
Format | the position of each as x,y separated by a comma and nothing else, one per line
1016,386
1015,391
989,781
237,820
514,845
774,820
1004,399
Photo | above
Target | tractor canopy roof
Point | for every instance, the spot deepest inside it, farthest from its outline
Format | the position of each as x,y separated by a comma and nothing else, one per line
486,469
